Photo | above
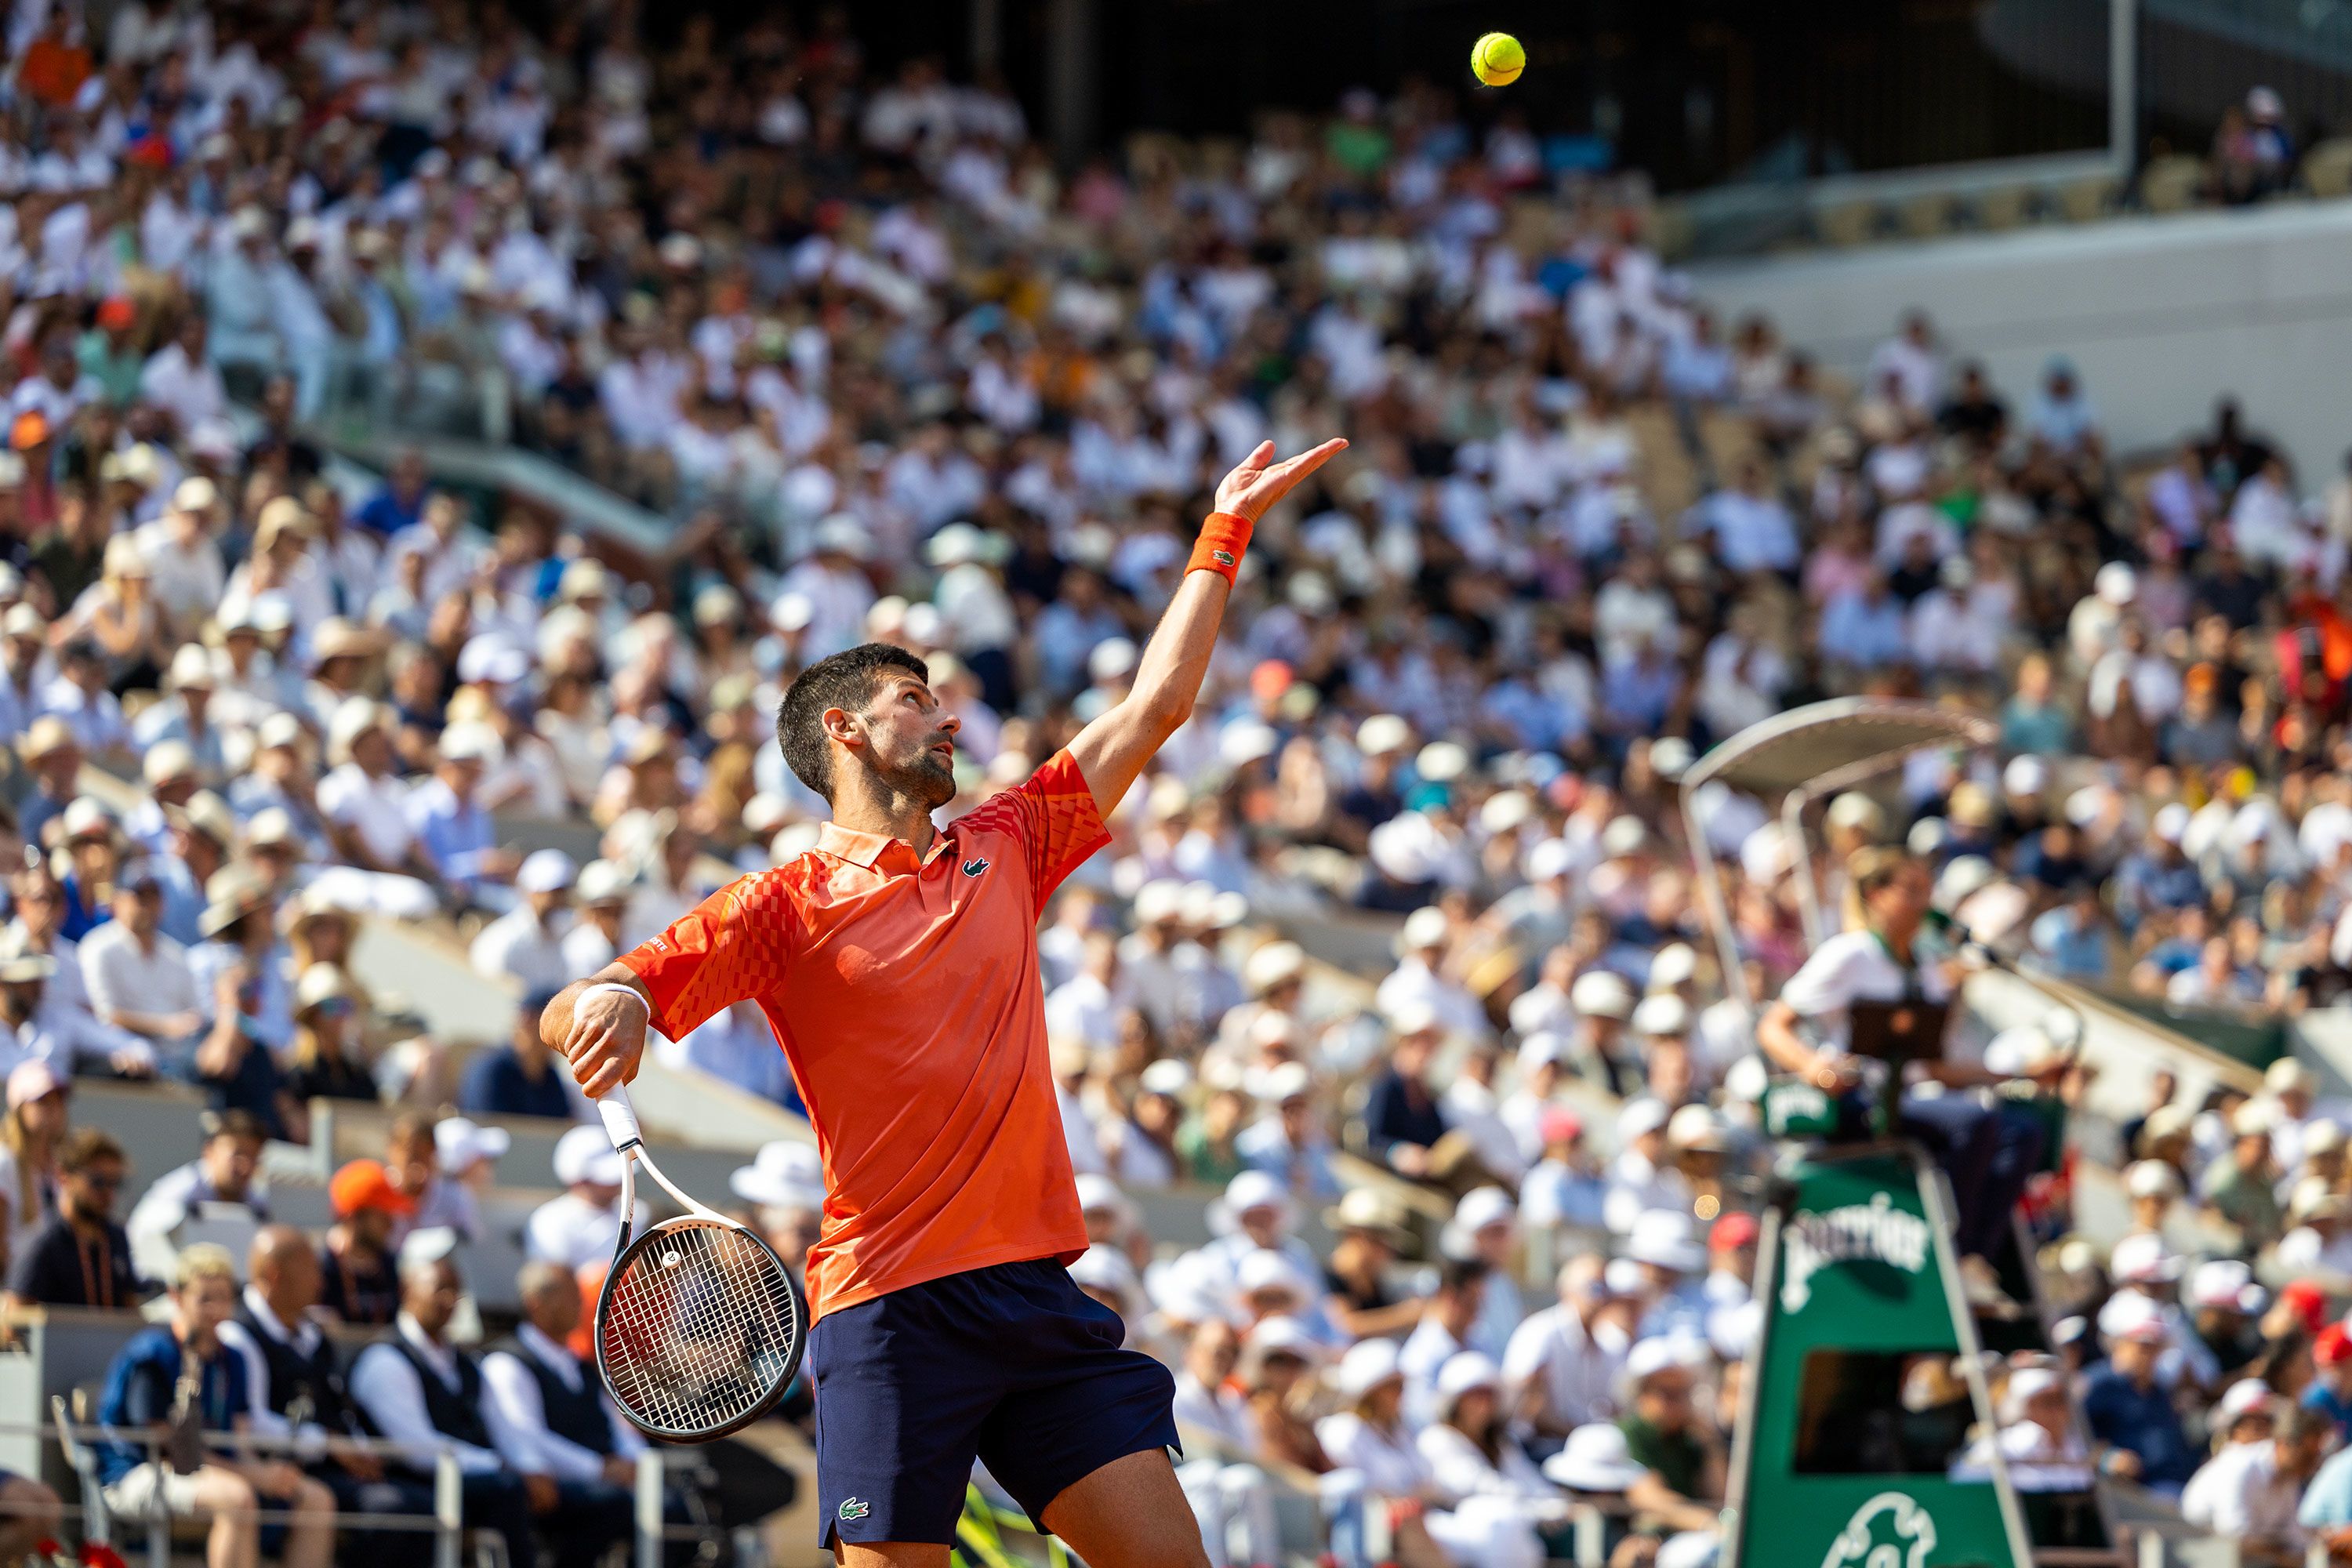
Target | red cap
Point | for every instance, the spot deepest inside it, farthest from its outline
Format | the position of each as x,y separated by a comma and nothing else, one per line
365,1184
2333,1347
1732,1231
1270,680
117,310
2307,1301
1559,1124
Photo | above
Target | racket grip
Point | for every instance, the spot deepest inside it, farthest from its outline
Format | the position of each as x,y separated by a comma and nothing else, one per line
620,1118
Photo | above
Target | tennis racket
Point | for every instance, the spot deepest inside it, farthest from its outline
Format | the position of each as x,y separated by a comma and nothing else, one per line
699,1328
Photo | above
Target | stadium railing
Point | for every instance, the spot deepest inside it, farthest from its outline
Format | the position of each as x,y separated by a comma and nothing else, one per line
76,1436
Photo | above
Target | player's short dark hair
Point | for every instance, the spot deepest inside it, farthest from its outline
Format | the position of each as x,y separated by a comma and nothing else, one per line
846,680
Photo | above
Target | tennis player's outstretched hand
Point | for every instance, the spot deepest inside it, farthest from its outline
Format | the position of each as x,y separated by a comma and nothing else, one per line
599,1025
1258,482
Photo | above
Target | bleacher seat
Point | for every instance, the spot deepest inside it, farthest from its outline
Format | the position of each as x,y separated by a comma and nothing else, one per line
2171,185
2087,200
2327,168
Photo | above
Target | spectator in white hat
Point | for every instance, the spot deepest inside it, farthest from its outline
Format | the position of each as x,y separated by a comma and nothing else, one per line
1275,977
1276,1356
1670,1437
1542,1059
2152,1186
1486,1226
467,1155
1564,1365
602,896
2249,1492
1641,1177
1287,1140
1422,947
785,1184
1256,1213
453,828
2224,1309
2240,1187
1674,1267
2290,1086
362,800
576,1228
2135,1429
1602,1005
2036,1437
1471,1453
1147,957
527,942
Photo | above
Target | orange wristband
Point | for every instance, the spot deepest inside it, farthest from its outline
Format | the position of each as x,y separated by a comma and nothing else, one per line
1223,539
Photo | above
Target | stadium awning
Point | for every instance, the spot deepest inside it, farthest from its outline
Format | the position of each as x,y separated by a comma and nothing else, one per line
1832,746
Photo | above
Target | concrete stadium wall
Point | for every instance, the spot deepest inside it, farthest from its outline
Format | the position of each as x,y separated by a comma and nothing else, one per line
2161,314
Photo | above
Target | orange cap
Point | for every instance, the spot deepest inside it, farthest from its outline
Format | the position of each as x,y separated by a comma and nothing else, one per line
29,430
365,1184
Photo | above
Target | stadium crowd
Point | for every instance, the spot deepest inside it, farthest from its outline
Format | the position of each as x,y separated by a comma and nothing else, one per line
892,377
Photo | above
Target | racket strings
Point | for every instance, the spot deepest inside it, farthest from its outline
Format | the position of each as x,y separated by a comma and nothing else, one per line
699,1328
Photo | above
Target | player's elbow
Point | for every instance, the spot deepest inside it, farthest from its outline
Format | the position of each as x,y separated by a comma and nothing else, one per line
1165,712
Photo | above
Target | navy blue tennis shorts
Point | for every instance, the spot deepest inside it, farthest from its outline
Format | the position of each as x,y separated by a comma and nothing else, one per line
1014,1364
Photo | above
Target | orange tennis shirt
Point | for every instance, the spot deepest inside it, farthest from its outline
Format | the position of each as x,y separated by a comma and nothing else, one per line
905,993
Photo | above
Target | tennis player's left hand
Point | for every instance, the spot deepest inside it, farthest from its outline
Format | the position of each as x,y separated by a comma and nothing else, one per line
1258,482
607,1037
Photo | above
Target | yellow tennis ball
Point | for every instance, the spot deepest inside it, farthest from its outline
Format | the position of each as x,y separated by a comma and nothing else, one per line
1498,59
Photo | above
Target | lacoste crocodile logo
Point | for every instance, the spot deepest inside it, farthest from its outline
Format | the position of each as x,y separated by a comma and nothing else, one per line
975,867
851,1507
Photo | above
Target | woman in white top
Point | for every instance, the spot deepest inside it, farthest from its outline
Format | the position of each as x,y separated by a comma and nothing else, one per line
1371,1437
1476,1466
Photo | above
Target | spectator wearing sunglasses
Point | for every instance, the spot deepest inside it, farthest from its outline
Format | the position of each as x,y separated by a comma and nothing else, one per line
80,1256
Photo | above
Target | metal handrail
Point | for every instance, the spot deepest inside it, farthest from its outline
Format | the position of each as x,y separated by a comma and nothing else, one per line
446,1521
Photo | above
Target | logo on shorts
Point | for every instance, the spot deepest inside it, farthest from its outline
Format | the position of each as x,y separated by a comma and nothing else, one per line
851,1507
975,867
1221,557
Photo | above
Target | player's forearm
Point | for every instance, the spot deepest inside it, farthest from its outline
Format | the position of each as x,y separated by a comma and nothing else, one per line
1175,662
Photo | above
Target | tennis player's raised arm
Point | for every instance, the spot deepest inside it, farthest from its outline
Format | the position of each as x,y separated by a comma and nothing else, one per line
1113,751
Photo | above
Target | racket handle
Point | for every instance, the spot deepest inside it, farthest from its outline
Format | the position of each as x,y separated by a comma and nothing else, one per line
620,1118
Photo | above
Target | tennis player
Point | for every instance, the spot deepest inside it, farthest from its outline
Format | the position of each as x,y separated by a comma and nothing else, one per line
897,964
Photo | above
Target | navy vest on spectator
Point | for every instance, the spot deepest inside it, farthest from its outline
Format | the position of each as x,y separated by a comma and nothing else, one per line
455,1413
577,1413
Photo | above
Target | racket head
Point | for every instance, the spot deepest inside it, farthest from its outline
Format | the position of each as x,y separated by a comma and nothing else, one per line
699,1330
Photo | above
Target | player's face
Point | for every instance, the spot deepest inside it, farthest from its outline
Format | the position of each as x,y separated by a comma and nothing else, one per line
912,748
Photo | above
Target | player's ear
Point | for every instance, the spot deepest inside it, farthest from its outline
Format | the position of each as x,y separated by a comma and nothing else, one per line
840,724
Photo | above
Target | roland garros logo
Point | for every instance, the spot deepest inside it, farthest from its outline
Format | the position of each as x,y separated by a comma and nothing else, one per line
1876,1230
1864,1541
